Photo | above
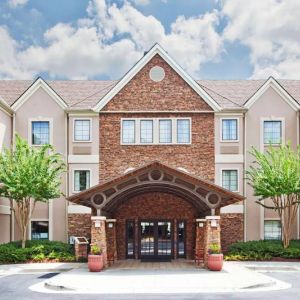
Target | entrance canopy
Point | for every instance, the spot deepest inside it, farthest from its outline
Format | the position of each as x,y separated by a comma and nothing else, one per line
156,177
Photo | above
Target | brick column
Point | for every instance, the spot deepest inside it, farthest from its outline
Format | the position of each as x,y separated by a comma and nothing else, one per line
200,230
212,234
98,235
111,239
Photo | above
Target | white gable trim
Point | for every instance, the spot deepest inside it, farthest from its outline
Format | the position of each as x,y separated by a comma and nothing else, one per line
5,107
157,49
271,82
39,83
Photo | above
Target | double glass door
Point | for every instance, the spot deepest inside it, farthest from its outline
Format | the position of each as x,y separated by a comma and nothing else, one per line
156,239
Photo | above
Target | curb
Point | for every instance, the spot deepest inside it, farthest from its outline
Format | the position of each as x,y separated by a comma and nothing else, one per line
241,289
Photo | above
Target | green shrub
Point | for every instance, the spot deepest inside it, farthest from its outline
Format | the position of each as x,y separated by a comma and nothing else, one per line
262,250
36,251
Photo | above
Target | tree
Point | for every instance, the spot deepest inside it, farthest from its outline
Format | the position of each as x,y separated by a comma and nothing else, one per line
275,175
29,175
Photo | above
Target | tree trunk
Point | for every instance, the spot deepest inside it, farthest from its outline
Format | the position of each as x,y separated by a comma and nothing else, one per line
24,236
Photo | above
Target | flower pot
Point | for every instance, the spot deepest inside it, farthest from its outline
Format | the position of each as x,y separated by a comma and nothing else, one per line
95,262
215,262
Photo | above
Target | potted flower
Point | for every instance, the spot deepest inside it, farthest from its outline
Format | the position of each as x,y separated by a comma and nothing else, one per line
95,259
215,258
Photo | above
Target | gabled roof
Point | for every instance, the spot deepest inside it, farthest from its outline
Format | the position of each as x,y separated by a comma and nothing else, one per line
271,82
157,49
39,83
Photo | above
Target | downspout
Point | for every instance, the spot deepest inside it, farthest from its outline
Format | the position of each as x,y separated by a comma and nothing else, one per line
244,180
12,215
67,173
298,214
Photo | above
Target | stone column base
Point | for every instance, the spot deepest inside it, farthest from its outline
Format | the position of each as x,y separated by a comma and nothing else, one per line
98,235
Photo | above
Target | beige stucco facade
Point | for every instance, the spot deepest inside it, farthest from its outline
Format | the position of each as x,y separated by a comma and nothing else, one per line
270,106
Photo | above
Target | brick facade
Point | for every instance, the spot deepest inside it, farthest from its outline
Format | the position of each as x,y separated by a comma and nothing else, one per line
232,229
198,158
173,95
79,225
156,206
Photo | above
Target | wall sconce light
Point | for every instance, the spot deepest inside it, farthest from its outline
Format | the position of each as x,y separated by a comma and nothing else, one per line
213,223
97,224
110,225
200,224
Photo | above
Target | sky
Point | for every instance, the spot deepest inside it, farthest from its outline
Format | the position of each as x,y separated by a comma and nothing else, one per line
98,39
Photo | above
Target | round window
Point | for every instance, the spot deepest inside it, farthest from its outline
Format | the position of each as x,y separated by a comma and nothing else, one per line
157,74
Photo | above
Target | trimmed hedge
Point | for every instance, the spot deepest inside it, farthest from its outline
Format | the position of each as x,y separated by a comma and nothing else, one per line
263,250
36,251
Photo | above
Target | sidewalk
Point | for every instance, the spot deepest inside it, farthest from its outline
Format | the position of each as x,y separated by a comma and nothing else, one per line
30,268
234,278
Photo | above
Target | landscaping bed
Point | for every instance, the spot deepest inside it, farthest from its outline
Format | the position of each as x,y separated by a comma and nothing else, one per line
36,251
263,250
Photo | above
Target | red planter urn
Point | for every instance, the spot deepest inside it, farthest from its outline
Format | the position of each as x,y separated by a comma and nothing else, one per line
95,262
215,262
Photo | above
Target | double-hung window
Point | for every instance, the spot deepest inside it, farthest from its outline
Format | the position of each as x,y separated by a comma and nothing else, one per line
39,230
229,129
272,132
230,180
146,131
272,230
81,180
40,132
165,131
82,130
128,131
183,131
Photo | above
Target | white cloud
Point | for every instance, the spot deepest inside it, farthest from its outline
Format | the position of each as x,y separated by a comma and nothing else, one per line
16,3
141,2
108,42
271,30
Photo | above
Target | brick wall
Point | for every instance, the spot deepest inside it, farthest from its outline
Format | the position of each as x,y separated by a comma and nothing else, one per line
198,158
155,206
232,229
173,95
79,225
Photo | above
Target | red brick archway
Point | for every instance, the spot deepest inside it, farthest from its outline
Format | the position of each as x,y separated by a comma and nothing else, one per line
156,205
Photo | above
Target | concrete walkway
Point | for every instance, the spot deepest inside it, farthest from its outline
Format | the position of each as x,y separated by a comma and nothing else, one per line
234,278
31,268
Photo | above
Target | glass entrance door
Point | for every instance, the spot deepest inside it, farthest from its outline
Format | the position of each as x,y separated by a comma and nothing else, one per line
156,239
147,239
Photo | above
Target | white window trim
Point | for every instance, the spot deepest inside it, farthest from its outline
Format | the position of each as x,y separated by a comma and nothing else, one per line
136,131
271,219
173,130
155,131
73,178
221,130
37,220
262,120
40,119
91,127
238,177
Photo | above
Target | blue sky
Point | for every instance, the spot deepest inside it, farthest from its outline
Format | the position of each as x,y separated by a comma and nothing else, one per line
98,39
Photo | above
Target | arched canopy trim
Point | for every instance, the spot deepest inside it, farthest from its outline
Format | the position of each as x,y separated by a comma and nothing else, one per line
156,177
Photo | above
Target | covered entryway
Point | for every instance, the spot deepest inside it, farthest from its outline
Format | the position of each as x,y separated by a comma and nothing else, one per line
155,213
